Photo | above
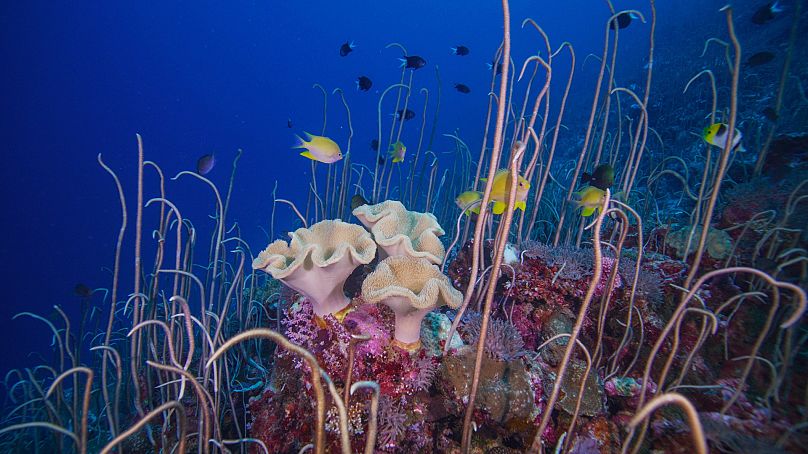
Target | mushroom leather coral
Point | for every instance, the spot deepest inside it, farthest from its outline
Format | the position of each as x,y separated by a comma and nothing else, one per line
401,232
317,261
411,287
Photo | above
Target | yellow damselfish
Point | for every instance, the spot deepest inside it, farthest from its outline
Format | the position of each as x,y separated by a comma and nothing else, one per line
500,188
591,199
397,151
319,148
465,199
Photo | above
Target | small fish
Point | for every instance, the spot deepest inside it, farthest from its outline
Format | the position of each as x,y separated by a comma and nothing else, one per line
770,114
289,123
412,62
591,199
381,160
374,144
397,151
460,50
357,201
465,199
462,88
602,177
346,48
363,83
319,148
406,114
500,191
623,20
760,58
716,134
205,164
491,67
82,290
766,13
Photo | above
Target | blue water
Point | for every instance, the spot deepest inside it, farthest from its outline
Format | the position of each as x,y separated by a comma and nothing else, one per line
192,78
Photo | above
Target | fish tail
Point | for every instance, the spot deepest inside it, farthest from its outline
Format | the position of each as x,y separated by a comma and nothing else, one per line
454,50
775,7
299,142
403,62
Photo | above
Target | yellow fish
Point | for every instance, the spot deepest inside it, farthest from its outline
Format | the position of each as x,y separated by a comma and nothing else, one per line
500,188
716,134
591,199
319,148
397,151
464,199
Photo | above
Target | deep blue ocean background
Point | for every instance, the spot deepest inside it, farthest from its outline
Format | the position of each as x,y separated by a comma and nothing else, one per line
82,78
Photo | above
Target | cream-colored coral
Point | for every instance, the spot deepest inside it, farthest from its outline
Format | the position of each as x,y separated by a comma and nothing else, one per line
411,287
317,261
718,244
401,232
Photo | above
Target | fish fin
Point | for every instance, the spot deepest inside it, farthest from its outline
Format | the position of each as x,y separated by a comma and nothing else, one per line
499,208
586,178
775,7
397,159
521,205
475,210
307,154
483,179
299,142
588,211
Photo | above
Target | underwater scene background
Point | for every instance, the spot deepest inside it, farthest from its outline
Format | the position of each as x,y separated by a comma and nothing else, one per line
348,227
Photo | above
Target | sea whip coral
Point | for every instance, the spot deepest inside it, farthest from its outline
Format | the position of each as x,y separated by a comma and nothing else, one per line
318,260
411,288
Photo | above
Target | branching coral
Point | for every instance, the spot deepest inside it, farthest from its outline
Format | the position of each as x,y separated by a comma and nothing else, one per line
503,341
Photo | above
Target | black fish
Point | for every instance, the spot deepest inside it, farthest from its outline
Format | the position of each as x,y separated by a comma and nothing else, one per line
499,67
346,48
766,13
357,201
363,83
460,50
381,160
82,290
602,177
289,123
623,20
412,62
462,88
205,164
374,144
760,58
406,114
770,114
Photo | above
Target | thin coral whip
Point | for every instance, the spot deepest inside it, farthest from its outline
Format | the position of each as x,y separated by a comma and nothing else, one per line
319,440
171,405
377,184
725,153
297,212
690,411
203,399
85,406
576,329
500,241
370,442
115,275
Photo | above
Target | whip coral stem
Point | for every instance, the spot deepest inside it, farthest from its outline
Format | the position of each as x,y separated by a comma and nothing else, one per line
692,416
